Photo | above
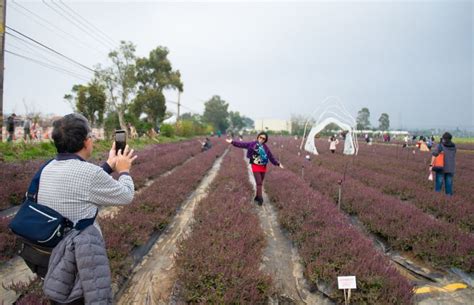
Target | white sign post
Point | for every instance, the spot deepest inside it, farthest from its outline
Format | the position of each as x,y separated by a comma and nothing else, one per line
346,283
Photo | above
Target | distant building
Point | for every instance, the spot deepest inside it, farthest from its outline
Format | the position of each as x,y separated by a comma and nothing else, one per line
273,125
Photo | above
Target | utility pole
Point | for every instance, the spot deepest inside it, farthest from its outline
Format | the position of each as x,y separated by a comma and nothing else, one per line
179,105
400,120
3,13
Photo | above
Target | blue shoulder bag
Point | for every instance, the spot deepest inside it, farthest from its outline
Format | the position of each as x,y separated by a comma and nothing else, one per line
41,225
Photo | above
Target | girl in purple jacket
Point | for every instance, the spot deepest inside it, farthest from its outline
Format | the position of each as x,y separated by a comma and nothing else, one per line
259,154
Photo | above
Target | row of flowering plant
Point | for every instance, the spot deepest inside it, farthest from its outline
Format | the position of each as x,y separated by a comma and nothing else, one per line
403,226
219,262
152,210
161,158
330,246
457,209
378,167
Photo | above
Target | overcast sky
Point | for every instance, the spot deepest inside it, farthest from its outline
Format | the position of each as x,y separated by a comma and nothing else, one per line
411,59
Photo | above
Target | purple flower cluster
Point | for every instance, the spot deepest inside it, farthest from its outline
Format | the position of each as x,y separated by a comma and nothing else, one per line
7,241
219,262
14,180
152,210
30,292
404,226
330,246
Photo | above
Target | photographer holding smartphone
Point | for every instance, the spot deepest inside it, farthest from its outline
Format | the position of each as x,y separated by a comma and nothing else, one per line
78,270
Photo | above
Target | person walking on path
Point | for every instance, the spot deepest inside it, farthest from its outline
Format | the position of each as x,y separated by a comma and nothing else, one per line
258,154
447,172
34,130
11,127
27,130
332,144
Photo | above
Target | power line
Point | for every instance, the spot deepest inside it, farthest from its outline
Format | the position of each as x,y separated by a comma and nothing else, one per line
50,49
88,32
34,53
48,65
52,67
58,69
111,40
29,51
50,26
89,29
31,46
181,105
190,109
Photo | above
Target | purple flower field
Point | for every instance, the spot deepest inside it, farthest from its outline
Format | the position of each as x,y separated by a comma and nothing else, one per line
410,185
401,224
385,195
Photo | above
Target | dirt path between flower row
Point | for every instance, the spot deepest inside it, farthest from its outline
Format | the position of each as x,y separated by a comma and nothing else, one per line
153,280
282,262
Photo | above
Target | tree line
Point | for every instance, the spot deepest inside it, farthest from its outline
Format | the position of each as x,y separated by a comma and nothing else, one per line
363,120
298,123
130,91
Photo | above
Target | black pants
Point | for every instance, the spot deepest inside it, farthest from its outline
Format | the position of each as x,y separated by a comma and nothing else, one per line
259,176
11,135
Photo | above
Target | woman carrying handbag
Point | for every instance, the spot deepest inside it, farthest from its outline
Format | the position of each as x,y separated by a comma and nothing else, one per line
443,163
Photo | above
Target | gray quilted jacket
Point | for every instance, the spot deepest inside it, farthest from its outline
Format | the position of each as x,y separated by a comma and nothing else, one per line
78,268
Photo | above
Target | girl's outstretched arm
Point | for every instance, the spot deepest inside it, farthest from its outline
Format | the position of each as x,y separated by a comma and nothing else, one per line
272,158
239,144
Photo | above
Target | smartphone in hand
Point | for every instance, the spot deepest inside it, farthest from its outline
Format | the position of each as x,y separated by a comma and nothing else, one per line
120,140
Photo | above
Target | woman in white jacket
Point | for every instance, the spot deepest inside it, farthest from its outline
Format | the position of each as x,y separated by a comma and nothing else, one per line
332,144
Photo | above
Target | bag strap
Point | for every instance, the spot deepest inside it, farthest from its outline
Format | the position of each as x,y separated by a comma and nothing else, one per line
34,185
84,223
33,193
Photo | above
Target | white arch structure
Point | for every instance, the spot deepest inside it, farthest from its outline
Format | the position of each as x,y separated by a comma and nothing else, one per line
341,117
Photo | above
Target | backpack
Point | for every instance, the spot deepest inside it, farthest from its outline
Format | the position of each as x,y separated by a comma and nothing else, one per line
41,228
438,163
